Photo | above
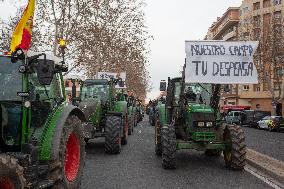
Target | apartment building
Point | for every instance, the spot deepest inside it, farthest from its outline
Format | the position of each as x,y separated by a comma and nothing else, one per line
226,28
253,20
262,20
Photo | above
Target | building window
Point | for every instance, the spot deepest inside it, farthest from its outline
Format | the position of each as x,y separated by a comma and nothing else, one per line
246,87
265,86
257,33
256,6
266,3
277,86
277,2
256,87
277,17
232,103
256,21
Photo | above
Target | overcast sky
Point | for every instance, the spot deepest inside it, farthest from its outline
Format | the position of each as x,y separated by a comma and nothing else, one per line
171,23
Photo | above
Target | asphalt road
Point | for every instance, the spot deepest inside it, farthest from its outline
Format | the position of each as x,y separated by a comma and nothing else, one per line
137,167
263,141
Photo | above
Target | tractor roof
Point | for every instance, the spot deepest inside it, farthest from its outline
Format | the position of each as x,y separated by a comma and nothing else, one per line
96,82
75,77
49,56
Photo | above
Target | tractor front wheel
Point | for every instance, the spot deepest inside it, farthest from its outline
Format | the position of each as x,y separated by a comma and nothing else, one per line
68,168
158,144
168,148
131,125
235,152
112,135
11,173
125,130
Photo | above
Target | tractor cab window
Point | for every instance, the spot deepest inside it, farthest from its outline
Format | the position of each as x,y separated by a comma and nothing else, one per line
10,102
44,98
10,80
95,91
46,93
177,93
198,93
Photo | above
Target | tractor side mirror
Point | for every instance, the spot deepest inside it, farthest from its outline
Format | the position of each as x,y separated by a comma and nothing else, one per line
45,71
163,85
120,83
17,55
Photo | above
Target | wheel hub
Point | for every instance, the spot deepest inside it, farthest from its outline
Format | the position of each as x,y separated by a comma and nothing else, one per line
6,183
72,157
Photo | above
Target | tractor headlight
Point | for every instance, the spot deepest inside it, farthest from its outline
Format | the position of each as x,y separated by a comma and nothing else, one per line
209,124
200,124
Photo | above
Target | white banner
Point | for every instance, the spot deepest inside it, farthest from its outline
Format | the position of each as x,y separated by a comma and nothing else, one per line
109,75
220,62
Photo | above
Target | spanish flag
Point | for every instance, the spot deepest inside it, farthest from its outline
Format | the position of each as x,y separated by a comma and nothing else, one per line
22,35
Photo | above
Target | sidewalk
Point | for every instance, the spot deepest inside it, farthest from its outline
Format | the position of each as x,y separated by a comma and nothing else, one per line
266,164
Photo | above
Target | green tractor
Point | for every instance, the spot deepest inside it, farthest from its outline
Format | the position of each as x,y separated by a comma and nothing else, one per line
105,112
190,119
131,112
41,136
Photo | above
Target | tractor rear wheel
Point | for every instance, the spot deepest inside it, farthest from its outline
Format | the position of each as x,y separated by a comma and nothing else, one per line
11,173
112,135
125,130
235,152
168,148
130,125
67,170
158,144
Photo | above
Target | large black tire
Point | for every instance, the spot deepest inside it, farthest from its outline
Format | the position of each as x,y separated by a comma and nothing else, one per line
112,135
67,169
152,121
130,125
168,148
125,131
158,143
235,154
11,173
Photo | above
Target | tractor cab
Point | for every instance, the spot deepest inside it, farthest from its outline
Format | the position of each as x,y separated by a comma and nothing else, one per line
31,87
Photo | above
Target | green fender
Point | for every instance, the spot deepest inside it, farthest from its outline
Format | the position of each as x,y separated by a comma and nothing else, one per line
121,107
162,114
97,115
51,135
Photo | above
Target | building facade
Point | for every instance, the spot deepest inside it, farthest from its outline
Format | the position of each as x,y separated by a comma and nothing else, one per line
226,28
260,20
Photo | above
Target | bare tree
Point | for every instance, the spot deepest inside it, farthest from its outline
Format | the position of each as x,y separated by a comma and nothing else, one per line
269,58
105,35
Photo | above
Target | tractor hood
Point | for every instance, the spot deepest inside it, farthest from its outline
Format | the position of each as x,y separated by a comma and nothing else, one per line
202,108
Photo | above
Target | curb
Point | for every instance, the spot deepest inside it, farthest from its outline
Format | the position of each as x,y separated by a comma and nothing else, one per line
270,166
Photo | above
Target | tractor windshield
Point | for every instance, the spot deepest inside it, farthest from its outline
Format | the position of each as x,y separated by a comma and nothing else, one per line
10,80
96,90
50,93
198,93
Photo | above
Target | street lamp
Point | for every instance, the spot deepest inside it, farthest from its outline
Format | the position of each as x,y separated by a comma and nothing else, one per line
62,47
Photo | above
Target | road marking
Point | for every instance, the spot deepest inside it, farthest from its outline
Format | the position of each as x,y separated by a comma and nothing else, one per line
262,177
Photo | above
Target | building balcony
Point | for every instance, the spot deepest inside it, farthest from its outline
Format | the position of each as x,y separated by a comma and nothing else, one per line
230,35
228,20
254,94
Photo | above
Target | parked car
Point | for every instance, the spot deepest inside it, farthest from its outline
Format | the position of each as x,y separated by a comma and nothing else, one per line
235,117
253,116
271,123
